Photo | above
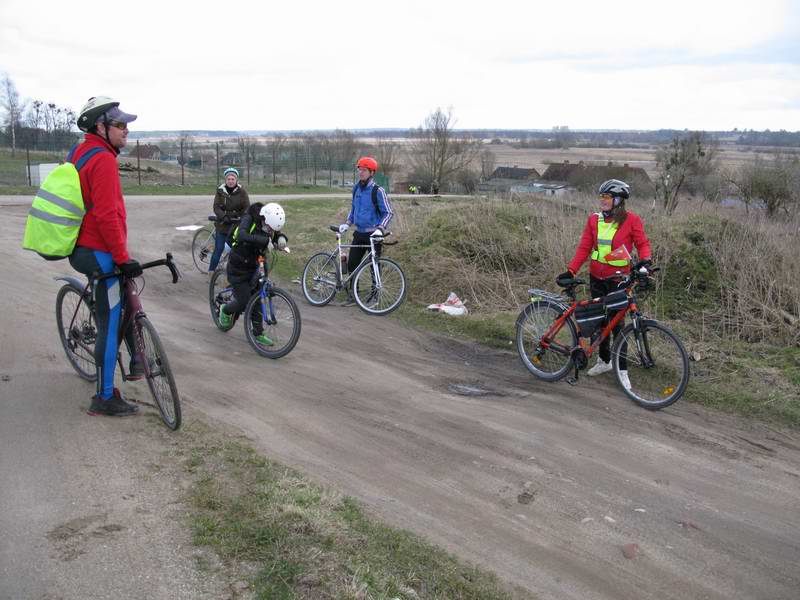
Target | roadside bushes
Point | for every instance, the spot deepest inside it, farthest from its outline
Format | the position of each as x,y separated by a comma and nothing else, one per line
736,273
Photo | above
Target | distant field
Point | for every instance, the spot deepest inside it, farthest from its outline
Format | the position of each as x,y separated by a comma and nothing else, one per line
507,156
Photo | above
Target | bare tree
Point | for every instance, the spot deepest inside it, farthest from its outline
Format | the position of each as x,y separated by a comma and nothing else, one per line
344,149
684,159
436,154
247,149
775,183
9,97
387,153
275,146
488,161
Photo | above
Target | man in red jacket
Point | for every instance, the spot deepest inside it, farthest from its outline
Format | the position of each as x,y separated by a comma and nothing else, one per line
605,232
103,243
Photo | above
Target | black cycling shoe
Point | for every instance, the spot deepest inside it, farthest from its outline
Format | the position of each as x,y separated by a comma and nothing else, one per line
113,407
135,370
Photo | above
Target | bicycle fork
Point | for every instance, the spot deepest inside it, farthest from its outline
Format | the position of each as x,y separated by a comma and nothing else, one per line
267,309
642,346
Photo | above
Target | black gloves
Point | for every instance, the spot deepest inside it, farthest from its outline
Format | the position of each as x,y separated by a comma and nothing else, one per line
565,279
131,268
226,219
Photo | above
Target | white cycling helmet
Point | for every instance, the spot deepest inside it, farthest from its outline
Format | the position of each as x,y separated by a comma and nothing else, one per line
273,216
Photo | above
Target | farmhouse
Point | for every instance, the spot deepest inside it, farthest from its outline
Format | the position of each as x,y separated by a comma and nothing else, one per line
582,176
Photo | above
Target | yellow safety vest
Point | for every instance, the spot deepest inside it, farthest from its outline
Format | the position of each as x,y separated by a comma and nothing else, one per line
57,211
605,235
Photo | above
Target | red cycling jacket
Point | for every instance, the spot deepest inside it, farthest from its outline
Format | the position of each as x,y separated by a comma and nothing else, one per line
104,226
630,233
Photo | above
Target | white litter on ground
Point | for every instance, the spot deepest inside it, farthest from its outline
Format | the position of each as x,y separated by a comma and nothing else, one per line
452,306
189,227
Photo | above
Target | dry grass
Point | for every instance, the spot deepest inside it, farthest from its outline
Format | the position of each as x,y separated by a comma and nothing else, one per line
737,274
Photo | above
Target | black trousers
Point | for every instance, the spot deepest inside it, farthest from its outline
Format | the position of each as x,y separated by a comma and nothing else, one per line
356,254
599,288
242,292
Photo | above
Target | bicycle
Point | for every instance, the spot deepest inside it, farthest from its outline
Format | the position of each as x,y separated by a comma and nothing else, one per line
274,307
548,344
203,244
76,319
379,284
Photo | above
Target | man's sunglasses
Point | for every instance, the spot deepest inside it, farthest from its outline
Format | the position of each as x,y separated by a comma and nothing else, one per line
117,124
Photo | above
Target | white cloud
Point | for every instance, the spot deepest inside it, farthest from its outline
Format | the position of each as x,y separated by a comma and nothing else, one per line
254,65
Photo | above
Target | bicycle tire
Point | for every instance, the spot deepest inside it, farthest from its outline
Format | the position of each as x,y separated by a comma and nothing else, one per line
79,341
284,332
158,373
319,278
391,294
219,293
532,322
203,248
658,385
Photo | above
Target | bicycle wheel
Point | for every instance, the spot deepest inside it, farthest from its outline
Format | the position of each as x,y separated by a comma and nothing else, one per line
383,299
219,292
280,320
319,278
158,373
549,363
202,248
77,331
657,364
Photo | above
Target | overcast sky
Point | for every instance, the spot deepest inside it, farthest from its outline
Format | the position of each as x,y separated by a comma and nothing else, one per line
587,64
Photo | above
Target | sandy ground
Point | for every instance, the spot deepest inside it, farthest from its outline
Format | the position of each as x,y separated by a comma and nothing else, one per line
542,483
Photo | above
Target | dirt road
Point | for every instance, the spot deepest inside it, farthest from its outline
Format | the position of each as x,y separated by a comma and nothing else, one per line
542,483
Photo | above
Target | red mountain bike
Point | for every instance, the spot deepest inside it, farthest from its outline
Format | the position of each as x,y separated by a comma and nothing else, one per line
649,360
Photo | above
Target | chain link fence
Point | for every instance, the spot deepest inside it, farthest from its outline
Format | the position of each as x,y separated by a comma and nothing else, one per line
262,164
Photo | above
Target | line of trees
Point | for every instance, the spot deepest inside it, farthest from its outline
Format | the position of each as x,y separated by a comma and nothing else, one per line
689,168
34,124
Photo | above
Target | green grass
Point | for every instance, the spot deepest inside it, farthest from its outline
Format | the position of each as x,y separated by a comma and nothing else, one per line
300,540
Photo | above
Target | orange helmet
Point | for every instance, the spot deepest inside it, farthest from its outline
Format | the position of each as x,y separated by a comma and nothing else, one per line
368,162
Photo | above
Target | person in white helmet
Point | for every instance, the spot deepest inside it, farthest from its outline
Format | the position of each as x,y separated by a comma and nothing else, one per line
259,229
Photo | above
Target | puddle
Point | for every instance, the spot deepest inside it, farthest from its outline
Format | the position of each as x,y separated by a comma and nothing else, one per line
463,389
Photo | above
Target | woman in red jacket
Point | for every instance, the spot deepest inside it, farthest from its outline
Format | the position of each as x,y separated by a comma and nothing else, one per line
605,232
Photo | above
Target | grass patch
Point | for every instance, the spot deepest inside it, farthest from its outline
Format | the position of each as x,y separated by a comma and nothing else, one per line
300,540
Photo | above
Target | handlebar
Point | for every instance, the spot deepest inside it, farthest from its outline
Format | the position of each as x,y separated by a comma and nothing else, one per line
168,262
639,273
214,219
335,229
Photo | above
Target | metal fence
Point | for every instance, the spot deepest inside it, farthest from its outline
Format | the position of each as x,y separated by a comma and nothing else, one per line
192,163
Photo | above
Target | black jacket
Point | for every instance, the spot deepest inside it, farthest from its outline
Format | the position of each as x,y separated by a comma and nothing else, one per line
248,242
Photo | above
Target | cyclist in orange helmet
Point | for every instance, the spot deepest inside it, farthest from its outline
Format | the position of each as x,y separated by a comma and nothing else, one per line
370,212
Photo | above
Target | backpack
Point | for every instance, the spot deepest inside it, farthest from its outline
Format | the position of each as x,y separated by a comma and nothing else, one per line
57,211
374,197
